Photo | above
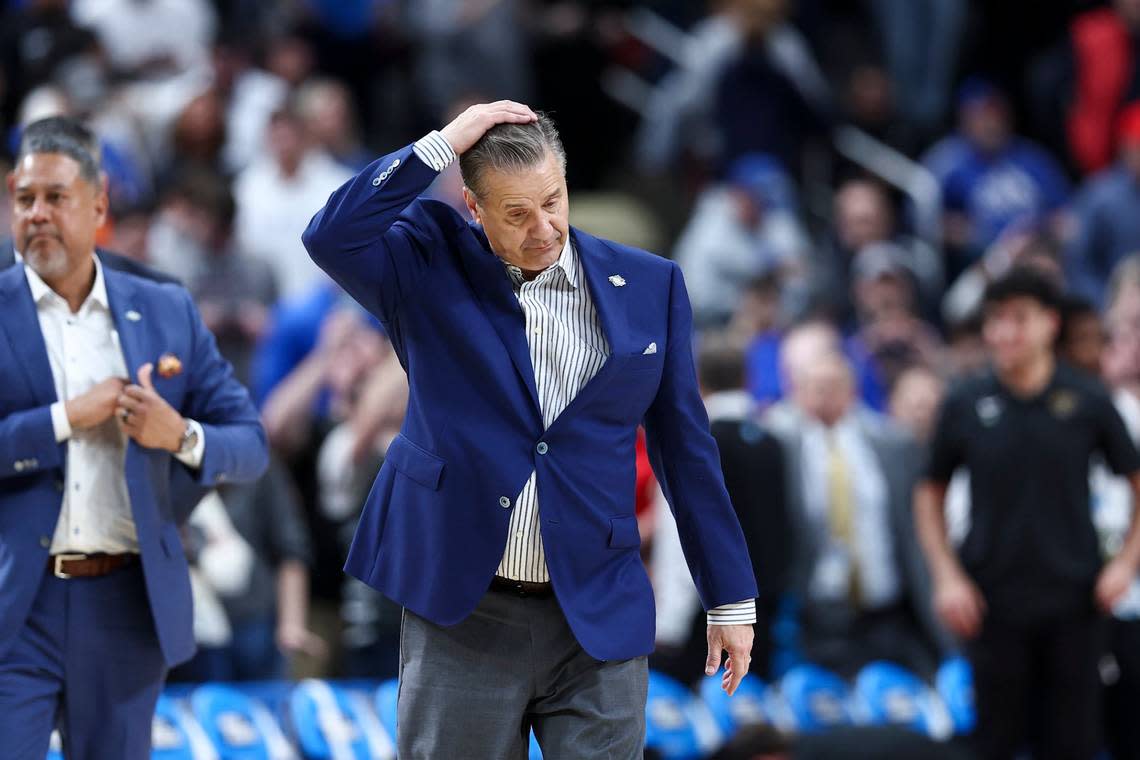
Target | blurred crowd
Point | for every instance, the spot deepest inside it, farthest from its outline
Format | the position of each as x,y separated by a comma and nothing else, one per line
838,179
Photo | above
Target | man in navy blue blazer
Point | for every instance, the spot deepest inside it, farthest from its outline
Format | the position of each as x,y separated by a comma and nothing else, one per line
113,400
503,516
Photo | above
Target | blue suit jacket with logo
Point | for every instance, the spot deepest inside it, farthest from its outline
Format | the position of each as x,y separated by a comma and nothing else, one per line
434,527
162,490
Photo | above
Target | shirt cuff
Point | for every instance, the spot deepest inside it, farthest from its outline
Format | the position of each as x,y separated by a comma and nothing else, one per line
435,151
738,613
193,457
59,424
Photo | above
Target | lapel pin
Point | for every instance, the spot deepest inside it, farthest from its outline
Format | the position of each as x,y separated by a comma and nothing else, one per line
617,280
169,365
133,316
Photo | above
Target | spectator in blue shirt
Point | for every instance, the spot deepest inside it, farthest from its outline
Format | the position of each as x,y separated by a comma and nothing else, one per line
1107,212
990,178
294,331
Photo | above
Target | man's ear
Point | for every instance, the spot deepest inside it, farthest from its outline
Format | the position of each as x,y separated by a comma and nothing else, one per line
102,198
472,204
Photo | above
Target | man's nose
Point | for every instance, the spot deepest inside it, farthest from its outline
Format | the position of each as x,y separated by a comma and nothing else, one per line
39,210
543,229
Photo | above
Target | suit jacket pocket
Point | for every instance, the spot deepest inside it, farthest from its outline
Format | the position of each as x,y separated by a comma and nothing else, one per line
416,463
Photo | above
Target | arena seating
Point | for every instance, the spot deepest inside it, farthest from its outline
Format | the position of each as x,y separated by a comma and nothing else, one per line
356,720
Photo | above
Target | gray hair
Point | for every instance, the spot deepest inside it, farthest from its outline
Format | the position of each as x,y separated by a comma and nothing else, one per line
66,136
511,148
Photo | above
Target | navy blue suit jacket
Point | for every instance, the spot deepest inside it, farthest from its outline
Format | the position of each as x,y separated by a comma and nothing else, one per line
32,463
434,529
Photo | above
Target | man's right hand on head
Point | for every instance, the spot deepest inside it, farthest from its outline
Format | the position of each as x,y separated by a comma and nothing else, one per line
96,406
470,125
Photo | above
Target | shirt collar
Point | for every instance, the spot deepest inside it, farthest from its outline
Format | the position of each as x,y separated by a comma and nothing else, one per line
567,262
41,289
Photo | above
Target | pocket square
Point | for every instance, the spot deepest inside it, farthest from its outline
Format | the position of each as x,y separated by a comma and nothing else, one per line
169,365
650,349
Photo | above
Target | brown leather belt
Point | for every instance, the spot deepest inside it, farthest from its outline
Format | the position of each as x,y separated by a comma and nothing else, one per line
522,589
87,565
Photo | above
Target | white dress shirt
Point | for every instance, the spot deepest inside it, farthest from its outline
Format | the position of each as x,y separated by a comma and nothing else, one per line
567,348
273,210
83,350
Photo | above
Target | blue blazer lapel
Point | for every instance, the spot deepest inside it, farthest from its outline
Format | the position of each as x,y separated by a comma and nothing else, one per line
611,301
123,299
132,331
22,326
612,304
493,287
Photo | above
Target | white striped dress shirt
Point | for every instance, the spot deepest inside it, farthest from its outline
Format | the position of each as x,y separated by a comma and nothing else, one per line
567,348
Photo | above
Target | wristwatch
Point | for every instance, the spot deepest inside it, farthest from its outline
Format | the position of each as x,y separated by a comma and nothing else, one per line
189,439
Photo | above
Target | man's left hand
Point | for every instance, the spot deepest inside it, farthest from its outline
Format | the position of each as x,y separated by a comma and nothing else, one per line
1113,583
146,417
737,641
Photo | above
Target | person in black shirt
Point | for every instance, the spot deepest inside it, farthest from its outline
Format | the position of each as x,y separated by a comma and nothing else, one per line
1027,589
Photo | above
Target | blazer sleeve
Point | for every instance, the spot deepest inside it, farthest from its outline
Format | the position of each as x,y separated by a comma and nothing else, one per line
27,443
687,464
236,447
371,238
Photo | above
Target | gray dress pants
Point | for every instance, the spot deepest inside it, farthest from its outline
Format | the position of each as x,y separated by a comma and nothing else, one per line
475,690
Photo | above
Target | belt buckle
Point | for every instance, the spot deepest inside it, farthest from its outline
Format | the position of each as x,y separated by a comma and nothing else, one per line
57,568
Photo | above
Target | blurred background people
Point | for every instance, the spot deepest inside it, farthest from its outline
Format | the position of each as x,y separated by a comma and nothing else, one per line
861,589
276,194
1106,228
741,231
840,183
1027,588
990,177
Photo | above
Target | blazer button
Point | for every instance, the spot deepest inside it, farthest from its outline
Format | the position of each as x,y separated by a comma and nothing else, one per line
18,466
59,484
376,182
504,502
45,542
542,448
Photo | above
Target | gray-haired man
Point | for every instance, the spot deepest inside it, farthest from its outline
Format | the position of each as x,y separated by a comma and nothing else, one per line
503,518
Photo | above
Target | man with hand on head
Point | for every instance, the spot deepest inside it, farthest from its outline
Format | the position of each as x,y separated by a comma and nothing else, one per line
503,517
94,591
